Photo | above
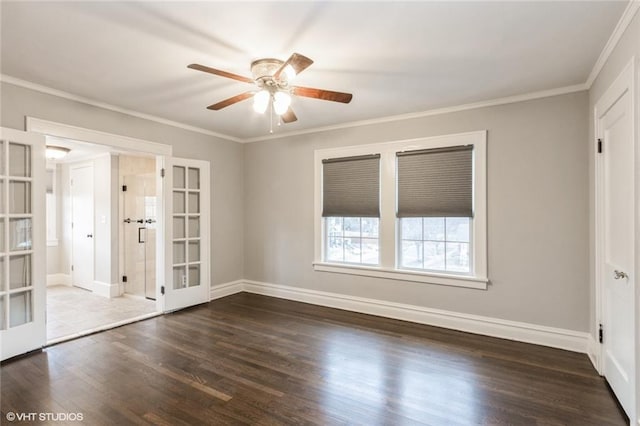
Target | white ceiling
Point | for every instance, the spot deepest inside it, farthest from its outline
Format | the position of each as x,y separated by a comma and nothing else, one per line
395,57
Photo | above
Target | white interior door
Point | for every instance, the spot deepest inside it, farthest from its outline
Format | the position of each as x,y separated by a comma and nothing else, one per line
82,241
617,247
22,243
187,254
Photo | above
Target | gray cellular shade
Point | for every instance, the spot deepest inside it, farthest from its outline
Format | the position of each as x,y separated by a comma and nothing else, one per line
436,182
351,186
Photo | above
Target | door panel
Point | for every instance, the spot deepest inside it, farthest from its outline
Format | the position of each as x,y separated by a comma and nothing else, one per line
22,243
188,254
82,227
618,272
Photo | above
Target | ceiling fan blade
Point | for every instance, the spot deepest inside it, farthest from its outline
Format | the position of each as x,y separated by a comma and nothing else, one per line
325,95
220,73
230,101
289,116
297,61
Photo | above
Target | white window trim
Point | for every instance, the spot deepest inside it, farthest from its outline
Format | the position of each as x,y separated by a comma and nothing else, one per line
388,222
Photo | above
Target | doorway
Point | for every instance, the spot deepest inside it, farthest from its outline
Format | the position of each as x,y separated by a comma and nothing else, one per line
85,289
139,207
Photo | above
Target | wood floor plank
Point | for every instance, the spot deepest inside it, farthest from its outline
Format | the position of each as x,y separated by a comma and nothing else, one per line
255,360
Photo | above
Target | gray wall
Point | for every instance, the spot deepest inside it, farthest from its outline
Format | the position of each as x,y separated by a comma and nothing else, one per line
226,159
537,212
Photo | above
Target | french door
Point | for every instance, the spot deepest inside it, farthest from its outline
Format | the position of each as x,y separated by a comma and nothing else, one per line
187,252
22,242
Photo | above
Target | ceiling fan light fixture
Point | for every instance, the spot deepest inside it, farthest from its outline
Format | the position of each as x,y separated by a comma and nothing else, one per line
56,152
261,101
281,102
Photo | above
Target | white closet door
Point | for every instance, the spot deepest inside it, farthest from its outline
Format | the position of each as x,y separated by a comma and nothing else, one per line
22,243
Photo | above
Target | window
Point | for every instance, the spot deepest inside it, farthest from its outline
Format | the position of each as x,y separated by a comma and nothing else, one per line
436,244
351,209
416,212
352,240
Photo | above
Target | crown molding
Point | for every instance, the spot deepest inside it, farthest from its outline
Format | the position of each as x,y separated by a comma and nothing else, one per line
66,95
482,104
616,35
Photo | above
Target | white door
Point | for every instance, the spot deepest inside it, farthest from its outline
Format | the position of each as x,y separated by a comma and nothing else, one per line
187,254
22,243
616,245
82,246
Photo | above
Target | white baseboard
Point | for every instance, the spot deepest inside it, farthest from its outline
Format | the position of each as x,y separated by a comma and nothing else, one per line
226,289
106,289
58,279
523,332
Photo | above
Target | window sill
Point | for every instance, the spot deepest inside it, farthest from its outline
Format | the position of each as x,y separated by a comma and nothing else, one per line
403,275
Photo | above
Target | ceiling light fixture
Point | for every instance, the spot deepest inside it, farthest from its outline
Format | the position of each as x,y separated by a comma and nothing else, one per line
56,152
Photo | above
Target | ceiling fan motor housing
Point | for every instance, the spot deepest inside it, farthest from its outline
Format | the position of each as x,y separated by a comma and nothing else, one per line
263,71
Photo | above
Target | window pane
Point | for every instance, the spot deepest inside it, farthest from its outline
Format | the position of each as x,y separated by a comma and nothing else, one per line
334,226
370,249
178,177
411,228
434,256
19,197
194,227
194,178
411,254
458,229
20,234
194,202
194,275
178,227
194,251
370,227
352,250
458,257
434,228
19,271
179,277
19,160
178,202
20,309
334,249
178,252
351,226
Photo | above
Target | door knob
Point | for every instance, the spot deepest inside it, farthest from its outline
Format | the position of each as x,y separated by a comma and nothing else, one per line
89,235
619,274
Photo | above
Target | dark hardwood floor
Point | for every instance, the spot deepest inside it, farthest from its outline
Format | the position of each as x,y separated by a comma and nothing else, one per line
249,359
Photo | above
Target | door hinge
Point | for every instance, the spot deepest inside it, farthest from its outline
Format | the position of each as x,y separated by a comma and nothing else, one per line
162,172
124,278
71,267
162,290
599,146
600,334
124,188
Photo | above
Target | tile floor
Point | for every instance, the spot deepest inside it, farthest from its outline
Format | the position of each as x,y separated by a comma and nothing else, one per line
72,310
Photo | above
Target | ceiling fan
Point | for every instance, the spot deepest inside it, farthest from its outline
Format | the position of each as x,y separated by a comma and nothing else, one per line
273,80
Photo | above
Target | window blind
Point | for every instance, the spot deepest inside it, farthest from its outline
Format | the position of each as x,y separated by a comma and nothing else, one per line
351,186
435,182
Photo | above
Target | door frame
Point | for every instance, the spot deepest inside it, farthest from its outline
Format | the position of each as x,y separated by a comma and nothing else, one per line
161,151
625,82
93,201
